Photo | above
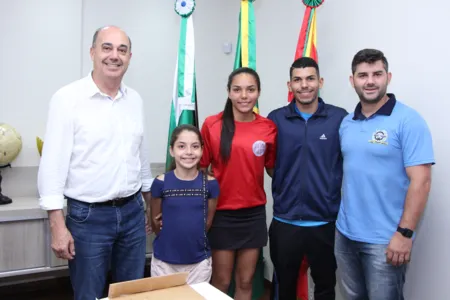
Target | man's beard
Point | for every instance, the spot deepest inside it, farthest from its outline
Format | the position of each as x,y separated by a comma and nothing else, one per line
378,98
308,101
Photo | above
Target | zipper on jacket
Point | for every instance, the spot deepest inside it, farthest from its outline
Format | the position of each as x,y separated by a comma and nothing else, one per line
304,183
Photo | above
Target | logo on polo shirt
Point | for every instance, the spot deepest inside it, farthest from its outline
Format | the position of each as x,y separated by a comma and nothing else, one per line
379,137
323,137
259,147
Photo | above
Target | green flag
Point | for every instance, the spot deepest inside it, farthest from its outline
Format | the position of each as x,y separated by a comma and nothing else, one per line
184,97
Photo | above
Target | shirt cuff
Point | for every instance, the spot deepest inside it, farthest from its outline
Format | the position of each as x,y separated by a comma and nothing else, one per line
146,184
51,202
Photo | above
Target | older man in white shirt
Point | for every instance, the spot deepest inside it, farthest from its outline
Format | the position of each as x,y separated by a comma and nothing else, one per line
95,155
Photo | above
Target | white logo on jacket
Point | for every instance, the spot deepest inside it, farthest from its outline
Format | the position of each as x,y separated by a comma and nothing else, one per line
259,147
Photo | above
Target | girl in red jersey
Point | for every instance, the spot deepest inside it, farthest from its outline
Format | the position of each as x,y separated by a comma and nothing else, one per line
239,144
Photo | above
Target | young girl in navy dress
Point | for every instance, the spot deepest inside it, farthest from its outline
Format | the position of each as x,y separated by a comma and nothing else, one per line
186,198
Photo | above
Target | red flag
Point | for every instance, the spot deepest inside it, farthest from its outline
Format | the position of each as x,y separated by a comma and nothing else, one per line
306,46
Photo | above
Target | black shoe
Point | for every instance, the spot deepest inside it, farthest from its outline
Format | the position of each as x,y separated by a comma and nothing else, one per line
5,200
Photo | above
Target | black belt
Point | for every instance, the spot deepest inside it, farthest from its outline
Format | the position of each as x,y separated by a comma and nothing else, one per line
113,203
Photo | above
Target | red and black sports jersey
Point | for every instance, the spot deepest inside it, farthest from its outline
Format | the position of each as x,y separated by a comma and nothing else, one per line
241,178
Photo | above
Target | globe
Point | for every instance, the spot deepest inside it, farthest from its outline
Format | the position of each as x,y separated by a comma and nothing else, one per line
10,144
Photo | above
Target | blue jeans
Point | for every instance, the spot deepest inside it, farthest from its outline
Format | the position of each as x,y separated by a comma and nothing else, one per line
364,272
106,238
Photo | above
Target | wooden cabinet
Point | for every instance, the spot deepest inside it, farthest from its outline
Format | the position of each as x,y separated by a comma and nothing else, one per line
25,248
24,231
56,262
23,245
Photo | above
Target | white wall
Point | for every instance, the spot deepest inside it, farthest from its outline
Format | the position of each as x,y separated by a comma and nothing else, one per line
416,45
42,51
154,30
40,42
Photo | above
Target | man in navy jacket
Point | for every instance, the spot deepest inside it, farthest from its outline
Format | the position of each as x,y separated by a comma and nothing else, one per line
306,185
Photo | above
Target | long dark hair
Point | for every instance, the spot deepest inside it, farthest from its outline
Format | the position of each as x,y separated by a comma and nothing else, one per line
228,127
176,133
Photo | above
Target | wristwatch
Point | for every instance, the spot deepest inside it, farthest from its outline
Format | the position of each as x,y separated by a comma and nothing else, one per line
407,233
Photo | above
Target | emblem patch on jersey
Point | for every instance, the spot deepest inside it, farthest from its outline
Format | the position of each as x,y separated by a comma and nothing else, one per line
379,137
259,147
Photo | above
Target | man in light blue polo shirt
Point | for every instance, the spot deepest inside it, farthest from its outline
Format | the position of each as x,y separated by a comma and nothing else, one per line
388,153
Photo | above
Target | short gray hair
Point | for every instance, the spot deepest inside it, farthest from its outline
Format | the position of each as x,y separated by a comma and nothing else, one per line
94,38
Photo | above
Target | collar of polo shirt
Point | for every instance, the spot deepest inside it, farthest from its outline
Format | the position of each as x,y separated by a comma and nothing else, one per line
385,110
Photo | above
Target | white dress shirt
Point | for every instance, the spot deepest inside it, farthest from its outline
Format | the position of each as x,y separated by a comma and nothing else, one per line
95,147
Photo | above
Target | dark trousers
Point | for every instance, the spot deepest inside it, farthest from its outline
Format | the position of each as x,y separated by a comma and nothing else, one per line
106,238
288,245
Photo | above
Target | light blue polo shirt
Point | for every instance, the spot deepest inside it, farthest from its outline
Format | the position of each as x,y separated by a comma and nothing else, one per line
376,151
